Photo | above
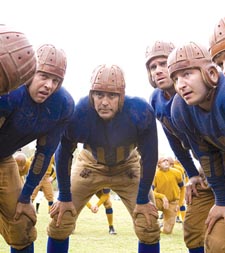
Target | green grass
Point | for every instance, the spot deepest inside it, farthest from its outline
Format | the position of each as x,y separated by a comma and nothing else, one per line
91,235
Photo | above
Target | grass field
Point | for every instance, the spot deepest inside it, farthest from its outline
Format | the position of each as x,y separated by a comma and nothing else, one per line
91,235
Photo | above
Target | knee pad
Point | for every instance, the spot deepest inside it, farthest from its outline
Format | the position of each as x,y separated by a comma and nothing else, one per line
146,234
214,242
19,233
65,229
108,210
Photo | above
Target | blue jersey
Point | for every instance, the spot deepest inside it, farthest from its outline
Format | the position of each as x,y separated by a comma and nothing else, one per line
111,142
23,121
178,143
205,131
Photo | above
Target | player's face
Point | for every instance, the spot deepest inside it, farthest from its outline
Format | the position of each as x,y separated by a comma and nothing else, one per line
159,73
220,61
164,164
42,86
190,85
106,104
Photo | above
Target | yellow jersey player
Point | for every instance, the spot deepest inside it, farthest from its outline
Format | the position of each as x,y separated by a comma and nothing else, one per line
167,185
104,198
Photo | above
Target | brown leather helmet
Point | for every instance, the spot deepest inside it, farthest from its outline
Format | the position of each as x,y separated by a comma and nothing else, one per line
191,55
108,78
217,39
159,48
52,60
17,59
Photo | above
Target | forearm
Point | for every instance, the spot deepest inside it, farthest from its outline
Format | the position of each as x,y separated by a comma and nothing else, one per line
182,154
158,195
148,148
63,159
33,177
102,199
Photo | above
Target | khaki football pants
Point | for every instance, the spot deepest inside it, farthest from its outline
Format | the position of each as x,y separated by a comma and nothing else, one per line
194,224
88,177
21,233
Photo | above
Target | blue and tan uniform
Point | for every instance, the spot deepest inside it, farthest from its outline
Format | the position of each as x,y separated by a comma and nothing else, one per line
21,122
104,199
168,184
46,184
194,226
205,131
115,155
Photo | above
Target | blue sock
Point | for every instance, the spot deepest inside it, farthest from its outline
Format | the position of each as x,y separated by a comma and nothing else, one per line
57,246
197,250
148,248
28,249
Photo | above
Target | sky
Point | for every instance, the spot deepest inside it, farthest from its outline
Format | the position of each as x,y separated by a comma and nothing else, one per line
93,32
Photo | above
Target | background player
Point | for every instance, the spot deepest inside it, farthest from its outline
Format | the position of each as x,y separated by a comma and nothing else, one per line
104,198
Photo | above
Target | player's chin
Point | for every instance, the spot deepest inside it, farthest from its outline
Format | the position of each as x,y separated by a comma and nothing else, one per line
106,115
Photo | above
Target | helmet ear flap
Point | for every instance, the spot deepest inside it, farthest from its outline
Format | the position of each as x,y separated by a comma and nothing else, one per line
91,101
210,76
151,81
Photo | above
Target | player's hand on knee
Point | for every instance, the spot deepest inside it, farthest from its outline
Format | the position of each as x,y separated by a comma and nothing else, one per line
215,213
26,209
59,208
147,210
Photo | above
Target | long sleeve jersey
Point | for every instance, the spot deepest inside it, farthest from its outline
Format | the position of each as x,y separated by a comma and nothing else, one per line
178,166
50,172
178,142
111,142
205,131
23,121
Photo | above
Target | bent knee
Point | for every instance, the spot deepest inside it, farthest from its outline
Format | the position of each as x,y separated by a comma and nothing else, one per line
65,229
214,242
20,233
213,245
145,233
